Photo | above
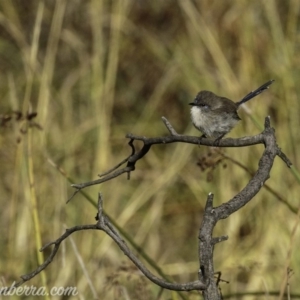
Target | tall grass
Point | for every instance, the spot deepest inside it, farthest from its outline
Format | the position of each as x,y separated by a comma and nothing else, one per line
95,70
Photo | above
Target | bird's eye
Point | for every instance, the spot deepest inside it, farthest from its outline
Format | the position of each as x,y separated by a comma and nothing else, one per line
204,106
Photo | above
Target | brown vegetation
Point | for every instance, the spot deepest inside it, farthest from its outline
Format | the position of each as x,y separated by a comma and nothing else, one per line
96,70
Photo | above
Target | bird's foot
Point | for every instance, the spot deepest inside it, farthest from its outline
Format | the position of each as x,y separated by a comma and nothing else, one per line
216,142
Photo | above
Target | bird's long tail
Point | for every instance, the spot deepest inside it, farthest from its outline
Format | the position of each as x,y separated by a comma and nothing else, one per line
255,93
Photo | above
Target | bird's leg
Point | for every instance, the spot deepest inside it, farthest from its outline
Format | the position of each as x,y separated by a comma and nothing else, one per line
203,136
218,139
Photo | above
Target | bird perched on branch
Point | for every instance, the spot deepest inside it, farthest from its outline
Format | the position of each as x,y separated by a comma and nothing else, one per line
215,116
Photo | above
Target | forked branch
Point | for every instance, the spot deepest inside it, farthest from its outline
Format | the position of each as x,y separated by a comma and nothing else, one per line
104,224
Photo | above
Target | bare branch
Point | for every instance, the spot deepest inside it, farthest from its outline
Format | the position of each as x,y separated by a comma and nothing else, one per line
219,239
206,248
169,126
130,143
173,138
115,167
257,181
105,225
117,173
284,157
213,214
56,244
70,198
266,186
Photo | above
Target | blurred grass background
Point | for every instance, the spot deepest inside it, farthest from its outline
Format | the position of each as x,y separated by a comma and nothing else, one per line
96,70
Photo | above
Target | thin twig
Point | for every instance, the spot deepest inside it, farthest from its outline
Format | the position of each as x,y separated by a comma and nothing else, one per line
284,157
130,143
115,167
169,126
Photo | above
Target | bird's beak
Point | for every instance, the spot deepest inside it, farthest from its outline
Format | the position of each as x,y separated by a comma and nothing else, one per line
192,104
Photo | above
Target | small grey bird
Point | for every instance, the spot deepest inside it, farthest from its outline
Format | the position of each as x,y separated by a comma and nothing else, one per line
215,116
